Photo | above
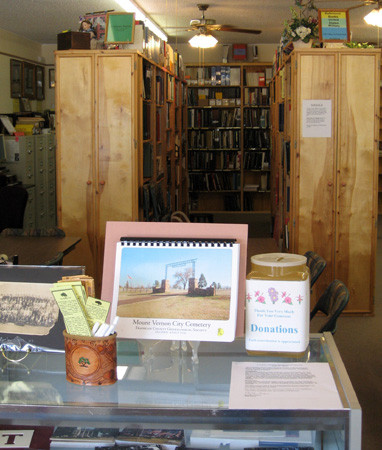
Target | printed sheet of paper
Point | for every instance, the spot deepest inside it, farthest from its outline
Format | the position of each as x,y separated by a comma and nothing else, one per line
283,386
317,118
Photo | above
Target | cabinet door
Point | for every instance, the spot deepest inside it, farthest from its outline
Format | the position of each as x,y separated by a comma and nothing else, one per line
75,143
357,177
117,167
313,172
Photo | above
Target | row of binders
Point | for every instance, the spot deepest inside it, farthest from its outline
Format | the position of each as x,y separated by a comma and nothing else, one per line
256,138
214,118
255,160
215,76
214,139
256,96
256,118
214,181
206,160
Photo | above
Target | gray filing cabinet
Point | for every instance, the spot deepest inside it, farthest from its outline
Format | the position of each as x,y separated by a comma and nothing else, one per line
32,160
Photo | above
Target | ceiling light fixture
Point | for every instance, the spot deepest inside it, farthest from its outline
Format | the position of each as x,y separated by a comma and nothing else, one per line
203,41
374,17
130,6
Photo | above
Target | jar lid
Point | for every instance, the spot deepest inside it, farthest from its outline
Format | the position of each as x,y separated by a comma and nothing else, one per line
278,259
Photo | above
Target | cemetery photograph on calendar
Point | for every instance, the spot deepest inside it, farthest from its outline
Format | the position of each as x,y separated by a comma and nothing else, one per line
175,282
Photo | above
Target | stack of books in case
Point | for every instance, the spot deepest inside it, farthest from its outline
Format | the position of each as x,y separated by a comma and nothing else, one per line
114,438
163,439
76,437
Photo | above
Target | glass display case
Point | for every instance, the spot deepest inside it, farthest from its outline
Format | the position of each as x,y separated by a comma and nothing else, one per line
186,385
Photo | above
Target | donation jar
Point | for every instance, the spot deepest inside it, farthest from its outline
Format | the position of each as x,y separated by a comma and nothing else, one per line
277,305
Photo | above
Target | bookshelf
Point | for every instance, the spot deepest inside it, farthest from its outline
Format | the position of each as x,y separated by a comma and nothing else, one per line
228,138
116,153
380,151
325,186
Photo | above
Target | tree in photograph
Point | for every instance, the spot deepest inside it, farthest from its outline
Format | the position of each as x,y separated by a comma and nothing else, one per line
182,278
202,281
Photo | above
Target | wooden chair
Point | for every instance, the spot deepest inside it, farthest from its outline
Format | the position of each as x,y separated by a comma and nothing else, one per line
332,302
179,216
316,264
56,261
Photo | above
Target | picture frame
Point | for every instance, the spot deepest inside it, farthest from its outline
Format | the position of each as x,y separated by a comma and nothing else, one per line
52,78
25,105
28,88
40,82
119,28
333,25
36,279
16,70
98,20
239,52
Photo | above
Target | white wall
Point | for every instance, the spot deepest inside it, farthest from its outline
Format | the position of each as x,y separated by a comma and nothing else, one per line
13,46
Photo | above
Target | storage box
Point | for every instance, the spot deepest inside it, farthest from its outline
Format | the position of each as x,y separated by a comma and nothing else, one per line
73,40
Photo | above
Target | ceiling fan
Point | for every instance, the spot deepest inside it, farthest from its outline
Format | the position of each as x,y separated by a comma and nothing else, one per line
206,26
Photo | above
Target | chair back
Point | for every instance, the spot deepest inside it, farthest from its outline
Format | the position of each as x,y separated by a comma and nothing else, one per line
316,264
13,201
332,302
56,261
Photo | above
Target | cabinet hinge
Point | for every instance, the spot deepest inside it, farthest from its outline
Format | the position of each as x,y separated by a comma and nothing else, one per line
294,222
135,144
295,144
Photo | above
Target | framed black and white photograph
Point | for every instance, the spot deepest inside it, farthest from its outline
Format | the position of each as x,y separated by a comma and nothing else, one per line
28,310
16,78
52,80
39,75
28,81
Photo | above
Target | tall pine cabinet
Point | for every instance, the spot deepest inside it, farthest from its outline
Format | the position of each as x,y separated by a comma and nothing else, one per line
113,157
325,108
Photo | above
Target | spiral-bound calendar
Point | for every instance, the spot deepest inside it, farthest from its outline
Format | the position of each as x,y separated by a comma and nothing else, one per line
176,289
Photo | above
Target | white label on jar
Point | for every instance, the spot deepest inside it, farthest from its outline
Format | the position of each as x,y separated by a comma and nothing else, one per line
277,315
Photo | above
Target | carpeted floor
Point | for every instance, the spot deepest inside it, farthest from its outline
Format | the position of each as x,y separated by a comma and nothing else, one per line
359,340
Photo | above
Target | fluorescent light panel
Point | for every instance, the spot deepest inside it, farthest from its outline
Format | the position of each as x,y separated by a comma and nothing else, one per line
130,6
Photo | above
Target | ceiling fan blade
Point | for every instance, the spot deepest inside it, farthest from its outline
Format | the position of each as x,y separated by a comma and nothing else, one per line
234,29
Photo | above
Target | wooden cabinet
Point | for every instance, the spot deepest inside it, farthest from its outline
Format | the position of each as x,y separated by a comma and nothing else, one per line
228,139
326,187
110,145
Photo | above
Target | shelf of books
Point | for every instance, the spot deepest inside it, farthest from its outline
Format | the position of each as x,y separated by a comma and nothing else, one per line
163,109
228,138
281,113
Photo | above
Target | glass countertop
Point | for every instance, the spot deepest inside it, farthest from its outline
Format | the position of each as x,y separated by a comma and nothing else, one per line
159,382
